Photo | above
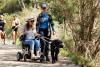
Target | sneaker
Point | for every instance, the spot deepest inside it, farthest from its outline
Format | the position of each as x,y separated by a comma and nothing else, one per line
38,53
32,56
47,58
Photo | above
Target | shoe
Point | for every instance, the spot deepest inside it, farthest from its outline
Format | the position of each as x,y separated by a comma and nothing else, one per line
13,43
32,55
47,58
38,53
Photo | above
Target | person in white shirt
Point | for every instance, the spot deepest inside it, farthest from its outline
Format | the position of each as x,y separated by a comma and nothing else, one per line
15,26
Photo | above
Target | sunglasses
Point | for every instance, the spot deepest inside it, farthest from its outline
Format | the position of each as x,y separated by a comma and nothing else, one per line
32,21
43,8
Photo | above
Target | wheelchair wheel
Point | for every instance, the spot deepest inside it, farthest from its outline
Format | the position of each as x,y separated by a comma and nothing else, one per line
19,56
25,57
41,58
29,56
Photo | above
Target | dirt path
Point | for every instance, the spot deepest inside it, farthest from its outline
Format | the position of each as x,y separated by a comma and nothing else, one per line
8,59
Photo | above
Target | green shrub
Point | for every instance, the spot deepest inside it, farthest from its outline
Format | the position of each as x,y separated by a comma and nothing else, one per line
63,52
77,58
10,6
80,60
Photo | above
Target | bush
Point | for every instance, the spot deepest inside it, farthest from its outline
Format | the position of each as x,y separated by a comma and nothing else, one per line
63,52
10,6
77,59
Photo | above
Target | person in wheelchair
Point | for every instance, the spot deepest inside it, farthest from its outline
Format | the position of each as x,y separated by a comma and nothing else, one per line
30,39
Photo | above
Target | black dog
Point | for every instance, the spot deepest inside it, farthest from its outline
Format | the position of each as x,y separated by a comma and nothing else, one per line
55,46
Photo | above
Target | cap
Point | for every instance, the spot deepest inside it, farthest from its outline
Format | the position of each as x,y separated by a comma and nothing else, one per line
43,5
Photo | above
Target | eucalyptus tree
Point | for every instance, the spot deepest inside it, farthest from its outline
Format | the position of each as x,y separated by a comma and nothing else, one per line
81,17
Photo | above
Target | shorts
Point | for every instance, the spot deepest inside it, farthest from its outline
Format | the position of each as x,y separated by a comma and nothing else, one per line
2,29
15,28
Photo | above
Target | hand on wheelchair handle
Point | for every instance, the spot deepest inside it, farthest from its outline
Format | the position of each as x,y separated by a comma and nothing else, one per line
37,36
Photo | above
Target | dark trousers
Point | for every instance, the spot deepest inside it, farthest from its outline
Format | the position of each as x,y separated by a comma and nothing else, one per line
44,44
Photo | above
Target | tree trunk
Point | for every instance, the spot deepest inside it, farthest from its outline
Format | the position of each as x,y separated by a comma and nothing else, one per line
21,2
91,23
82,19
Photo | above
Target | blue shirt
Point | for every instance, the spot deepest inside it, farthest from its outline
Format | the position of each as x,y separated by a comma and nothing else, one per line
44,23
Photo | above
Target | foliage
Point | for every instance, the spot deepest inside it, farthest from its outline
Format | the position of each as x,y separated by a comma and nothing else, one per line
78,59
78,17
9,6
12,6
27,2
63,52
60,9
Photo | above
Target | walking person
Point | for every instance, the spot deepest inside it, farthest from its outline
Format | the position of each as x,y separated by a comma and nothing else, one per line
45,27
2,24
15,26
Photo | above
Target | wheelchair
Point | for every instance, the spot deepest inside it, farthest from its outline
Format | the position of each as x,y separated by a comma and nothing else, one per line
26,51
